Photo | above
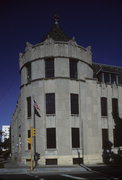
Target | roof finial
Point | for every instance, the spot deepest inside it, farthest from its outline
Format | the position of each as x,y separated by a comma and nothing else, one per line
56,19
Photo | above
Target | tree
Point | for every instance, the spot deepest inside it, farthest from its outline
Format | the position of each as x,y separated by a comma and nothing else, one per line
5,147
0,142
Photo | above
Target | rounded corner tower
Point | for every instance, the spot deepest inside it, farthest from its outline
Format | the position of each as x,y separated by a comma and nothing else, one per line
54,74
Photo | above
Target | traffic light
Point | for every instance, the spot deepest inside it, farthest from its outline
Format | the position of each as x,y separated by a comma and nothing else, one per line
29,140
36,156
33,132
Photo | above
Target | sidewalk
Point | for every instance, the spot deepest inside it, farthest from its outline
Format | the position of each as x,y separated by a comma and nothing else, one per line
11,167
42,170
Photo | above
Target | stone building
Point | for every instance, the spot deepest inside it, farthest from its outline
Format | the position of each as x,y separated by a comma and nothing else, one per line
76,98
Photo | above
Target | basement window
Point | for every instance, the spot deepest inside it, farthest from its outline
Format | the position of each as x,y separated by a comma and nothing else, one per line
77,160
51,161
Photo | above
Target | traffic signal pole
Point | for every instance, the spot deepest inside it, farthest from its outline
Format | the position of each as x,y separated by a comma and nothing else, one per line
34,125
35,156
31,161
33,136
29,141
35,112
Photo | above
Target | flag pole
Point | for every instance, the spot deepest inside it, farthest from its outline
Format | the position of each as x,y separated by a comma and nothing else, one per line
34,124
35,112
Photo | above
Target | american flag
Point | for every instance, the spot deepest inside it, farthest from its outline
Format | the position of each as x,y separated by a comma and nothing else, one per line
36,105
36,108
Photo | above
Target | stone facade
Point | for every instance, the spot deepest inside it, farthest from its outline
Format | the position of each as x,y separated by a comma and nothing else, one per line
89,90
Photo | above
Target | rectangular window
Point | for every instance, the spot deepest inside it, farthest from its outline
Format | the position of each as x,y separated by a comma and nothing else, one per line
28,67
103,106
75,138
51,138
117,135
100,77
120,79
106,77
49,68
115,106
73,68
28,107
113,78
78,160
74,103
51,161
105,138
29,135
50,103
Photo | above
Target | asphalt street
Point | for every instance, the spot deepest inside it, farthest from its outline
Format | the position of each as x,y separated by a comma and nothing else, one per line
112,171
63,173
81,176
76,175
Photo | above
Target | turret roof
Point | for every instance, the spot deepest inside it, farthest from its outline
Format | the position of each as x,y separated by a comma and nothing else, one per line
56,32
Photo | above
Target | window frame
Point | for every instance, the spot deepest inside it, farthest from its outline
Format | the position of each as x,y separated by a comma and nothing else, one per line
50,103
105,76
115,106
73,68
75,137
49,68
104,106
29,107
78,160
105,138
51,161
74,104
51,138
117,137
112,76
119,78
29,72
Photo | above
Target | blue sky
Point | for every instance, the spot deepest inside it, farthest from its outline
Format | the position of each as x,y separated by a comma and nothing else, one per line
93,22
